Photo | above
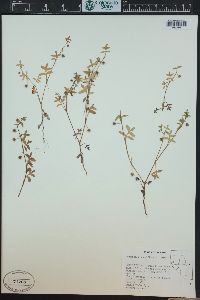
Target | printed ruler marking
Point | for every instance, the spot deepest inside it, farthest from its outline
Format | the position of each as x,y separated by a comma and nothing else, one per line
34,6
128,6
146,7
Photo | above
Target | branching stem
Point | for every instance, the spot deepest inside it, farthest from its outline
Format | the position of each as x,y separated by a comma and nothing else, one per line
78,140
25,160
88,82
41,97
162,148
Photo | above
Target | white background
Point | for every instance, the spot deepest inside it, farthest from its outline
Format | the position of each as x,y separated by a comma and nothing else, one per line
70,230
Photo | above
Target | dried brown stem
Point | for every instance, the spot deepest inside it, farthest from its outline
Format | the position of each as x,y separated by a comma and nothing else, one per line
95,69
166,89
159,154
162,148
26,153
23,151
154,163
86,115
127,152
22,186
143,200
167,82
79,142
41,97
88,82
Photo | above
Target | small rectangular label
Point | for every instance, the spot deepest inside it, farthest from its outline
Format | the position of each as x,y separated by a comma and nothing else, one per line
146,270
177,24
101,6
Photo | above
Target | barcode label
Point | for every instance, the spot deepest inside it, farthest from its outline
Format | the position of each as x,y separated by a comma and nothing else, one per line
176,23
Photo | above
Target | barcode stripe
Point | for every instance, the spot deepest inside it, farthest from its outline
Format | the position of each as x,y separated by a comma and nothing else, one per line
176,23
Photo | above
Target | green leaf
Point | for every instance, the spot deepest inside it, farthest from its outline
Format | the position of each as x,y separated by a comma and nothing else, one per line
122,133
84,89
131,133
178,67
129,137
119,117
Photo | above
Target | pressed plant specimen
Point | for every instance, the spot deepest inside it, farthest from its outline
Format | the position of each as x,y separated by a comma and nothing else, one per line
167,137
82,84
170,78
39,83
21,135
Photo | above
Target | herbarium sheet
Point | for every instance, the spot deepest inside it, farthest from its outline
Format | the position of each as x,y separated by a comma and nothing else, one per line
99,155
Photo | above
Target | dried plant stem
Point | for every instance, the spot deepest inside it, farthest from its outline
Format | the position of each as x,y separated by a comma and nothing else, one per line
168,136
22,186
47,72
86,116
155,161
42,113
72,126
78,140
84,126
128,155
142,182
87,82
86,111
26,153
45,87
159,154
41,99
23,151
170,77
143,199
167,86
87,102
162,148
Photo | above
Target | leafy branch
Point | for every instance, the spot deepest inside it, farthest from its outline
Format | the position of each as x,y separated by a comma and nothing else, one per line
170,78
168,137
26,154
82,84
40,82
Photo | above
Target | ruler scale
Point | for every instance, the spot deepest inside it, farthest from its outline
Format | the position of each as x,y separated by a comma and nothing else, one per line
44,7
75,6
163,7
